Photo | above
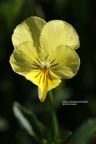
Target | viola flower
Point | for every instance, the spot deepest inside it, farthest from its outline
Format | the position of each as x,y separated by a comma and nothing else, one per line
44,52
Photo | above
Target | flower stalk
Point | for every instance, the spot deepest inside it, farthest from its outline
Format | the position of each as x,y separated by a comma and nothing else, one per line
54,118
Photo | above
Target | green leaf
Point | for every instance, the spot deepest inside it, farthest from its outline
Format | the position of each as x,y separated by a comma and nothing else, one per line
85,133
10,10
4,125
29,121
65,135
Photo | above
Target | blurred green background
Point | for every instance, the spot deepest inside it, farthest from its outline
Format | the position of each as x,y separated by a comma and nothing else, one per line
82,15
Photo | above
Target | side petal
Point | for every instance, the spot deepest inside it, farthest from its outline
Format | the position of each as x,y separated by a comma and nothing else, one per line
58,32
24,59
28,30
45,80
64,62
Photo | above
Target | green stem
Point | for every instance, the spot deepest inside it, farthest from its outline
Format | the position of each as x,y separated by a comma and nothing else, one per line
54,118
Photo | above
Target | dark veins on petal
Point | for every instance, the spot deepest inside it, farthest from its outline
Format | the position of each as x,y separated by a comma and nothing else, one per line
52,66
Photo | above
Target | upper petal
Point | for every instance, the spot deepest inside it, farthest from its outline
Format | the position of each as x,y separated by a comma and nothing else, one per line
28,30
64,62
58,32
24,59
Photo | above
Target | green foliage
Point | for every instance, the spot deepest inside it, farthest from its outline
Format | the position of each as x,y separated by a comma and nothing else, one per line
85,133
4,125
39,132
29,121
10,11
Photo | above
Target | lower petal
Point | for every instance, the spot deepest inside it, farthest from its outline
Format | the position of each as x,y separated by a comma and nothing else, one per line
48,81
45,80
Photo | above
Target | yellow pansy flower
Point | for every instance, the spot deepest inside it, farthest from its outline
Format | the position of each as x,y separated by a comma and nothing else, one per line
44,52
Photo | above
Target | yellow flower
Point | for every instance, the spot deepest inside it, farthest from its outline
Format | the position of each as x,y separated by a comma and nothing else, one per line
44,52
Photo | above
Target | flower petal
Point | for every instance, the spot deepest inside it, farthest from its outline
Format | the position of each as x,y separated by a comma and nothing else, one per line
45,80
64,62
28,30
58,32
24,59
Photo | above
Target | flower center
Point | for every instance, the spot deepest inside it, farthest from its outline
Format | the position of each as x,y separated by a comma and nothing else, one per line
45,65
43,75
44,70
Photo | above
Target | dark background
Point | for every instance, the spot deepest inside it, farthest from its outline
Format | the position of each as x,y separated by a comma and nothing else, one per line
13,87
